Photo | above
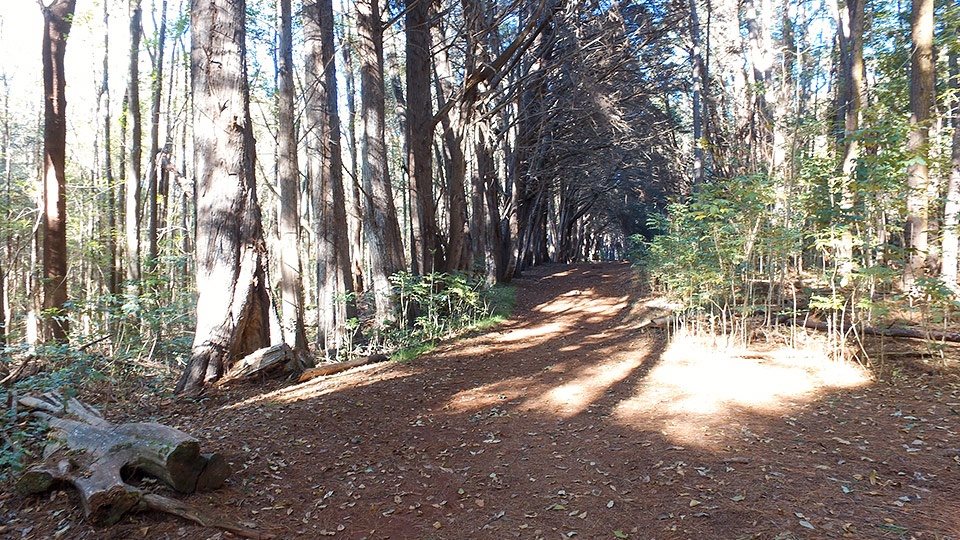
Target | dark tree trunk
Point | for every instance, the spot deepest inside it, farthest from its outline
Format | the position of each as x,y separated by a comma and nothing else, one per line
233,303
420,137
57,18
381,224
334,279
922,88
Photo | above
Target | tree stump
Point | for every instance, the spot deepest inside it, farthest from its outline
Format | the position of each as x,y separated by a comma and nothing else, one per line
95,456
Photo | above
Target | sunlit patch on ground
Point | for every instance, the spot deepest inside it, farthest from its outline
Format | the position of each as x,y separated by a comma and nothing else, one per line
696,385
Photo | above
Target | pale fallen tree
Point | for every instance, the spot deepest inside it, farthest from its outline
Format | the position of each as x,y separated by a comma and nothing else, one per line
94,456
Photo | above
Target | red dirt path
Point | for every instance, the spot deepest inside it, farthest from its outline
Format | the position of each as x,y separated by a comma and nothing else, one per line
576,419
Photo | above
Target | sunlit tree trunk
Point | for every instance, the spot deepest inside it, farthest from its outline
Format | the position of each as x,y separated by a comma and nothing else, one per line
382,229
288,172
336,302
922,79
58,19
951,211
233,304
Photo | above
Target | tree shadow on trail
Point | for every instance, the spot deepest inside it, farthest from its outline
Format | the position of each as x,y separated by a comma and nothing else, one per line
576,418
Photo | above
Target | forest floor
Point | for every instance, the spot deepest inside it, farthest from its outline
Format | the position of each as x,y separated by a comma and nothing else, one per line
575,419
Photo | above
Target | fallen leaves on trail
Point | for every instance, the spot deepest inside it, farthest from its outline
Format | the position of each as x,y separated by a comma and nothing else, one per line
499,436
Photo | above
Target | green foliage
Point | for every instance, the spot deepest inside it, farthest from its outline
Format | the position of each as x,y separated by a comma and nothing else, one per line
439,306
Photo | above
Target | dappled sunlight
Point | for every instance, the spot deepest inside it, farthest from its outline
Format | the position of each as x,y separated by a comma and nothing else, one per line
537,333
696,385
322,386
588,385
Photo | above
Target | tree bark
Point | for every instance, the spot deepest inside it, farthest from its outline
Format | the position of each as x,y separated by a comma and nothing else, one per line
288,172
381,225
420,138
132,113
922,79
336,302
154,168
851,62
58,19
233,303
951,210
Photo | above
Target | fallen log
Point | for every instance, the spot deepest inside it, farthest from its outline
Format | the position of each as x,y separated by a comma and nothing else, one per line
96,456
337,367
896,332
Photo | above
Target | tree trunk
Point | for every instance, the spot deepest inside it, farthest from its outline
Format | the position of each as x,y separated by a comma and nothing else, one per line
57,18
851,62
336,302
288,172
922,89
233,303
113,272
697,75
153,168
132,113
951,213
380,214
420,137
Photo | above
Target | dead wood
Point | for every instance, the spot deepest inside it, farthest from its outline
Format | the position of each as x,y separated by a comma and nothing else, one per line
895,332
266,361
94,456
337,367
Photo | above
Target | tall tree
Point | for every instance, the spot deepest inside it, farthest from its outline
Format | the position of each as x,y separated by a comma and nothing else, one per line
850,32
698,76
57,21
233,304
288,173
133,158
334,275
153,166
382,228
922,79
951,204
423,245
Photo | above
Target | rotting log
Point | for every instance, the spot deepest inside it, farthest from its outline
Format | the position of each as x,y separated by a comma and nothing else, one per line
95,456
337,367
266,361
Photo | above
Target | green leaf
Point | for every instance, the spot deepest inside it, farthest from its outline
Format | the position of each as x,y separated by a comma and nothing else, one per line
620,534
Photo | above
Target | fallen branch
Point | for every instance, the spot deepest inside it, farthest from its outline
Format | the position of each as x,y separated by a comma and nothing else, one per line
908,333
337,367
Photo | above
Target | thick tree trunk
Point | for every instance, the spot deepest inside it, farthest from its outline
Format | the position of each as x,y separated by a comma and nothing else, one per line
336,302
420,138
233,303
288,172
851,62
922,79
58,18
381,225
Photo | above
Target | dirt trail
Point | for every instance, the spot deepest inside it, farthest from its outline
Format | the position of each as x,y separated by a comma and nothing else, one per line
576,419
